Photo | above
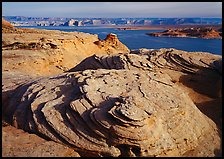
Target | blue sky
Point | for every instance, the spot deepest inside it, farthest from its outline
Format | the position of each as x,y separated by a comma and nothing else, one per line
113,9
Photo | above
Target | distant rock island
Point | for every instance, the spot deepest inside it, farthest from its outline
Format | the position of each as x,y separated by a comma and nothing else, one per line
198,32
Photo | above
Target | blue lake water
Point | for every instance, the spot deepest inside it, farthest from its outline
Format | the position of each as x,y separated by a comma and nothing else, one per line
135,39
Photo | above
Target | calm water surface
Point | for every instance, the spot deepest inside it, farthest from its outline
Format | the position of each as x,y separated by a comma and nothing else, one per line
135,39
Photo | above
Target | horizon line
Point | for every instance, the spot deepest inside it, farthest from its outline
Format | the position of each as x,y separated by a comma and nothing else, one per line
101,17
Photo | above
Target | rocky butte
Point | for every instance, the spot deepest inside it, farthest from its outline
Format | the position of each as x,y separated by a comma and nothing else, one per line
199,32
72,94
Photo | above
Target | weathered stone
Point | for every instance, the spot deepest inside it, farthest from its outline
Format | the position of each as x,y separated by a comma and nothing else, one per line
156,117
30,145
143,103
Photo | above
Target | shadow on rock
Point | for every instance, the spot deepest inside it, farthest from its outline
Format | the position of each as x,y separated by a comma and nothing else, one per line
208,81
212,109
205,81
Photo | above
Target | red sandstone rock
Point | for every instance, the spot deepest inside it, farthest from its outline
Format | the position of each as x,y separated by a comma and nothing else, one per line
6,23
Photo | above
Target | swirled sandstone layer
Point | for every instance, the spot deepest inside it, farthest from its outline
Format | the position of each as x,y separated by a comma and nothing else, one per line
143,103
114,113
198,70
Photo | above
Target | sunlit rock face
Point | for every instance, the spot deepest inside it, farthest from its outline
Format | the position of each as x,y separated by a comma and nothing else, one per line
121,105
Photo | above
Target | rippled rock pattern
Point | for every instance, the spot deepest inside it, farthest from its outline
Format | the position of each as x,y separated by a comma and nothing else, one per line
204,69
145,59
120,105
113,113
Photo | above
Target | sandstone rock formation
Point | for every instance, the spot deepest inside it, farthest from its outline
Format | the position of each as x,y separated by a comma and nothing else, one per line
6,23
7,27
136,104
52,52
164,102
175,63
189,32
29,54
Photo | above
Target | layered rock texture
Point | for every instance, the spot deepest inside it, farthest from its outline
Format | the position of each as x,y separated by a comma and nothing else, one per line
123,105
42,52
150,103
207,33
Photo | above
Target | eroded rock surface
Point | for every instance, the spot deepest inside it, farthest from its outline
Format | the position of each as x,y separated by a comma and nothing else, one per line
6,24
40,52
162,102
129,105
179,65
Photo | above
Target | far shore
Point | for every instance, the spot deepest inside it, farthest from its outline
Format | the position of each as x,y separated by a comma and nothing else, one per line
162,27
144,27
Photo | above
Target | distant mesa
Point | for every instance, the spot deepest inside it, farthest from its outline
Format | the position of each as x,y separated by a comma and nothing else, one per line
199,32
73,22
56,21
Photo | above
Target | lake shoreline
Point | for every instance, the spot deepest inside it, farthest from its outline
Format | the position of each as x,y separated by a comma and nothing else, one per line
137,27
138,39
156,27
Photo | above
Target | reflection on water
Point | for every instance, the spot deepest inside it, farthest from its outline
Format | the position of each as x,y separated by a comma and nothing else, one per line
135,39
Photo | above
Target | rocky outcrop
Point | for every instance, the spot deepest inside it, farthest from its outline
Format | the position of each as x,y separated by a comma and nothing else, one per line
176,63
124,105
52,52
112,41
162,102
29,54
6,24
7,27
207,33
